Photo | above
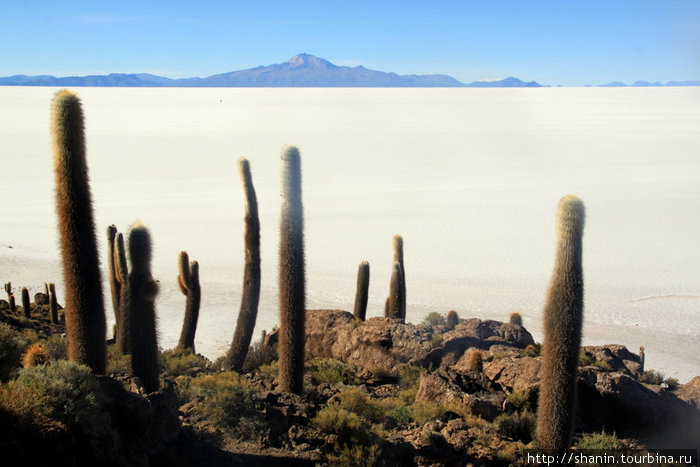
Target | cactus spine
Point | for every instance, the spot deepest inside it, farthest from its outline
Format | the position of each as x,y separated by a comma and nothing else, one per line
121,277
114,285
248,312
397,301
26,307
291,276
85,313
563,319
401,292
140,300
53,303
188,280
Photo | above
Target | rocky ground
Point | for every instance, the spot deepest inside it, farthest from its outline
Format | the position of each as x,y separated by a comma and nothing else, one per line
378,392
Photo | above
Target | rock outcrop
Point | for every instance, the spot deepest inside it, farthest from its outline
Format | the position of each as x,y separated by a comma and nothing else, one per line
386,345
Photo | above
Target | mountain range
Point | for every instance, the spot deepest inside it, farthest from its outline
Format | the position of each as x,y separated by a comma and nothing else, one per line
303,70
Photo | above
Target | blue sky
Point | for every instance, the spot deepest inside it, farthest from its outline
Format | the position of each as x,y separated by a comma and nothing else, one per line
567,42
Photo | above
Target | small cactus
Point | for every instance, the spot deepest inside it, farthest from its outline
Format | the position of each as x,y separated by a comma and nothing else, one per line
452,320
35,355
641,358
247,315
53,304
563,320
26,306
86,325
516,318
188,280
292,294
140,300
476,361
362,291
397,302
8,289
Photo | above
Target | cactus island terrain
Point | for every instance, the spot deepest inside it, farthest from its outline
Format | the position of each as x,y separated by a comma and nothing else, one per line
165,314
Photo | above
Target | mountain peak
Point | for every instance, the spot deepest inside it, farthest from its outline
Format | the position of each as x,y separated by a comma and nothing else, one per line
308,61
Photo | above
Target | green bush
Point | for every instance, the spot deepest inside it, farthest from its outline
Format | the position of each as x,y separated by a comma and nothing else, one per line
519,399
425,411
11,348
258,355
227,402
57,347
652,377
268,371
672,383
178,362
584,359
598,441
434,319
603,365
330,370
60,391
359,403
117,363
356,441
409,376
518,425
401,414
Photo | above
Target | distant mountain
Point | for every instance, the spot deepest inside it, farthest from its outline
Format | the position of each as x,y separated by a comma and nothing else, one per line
303,70
618,84
509,82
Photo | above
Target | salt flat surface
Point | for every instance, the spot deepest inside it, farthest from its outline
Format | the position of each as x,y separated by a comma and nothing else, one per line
470,177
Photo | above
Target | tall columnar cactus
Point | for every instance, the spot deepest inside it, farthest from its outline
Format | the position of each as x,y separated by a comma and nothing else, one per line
26,307
248,312
13,305
397,301
84,312
563,319
188,280
121,277
140,300
113,283
362,291
8,289
53,303
291,276
398,258
641,358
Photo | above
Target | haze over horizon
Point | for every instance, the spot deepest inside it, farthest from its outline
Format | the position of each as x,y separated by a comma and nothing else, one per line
554,43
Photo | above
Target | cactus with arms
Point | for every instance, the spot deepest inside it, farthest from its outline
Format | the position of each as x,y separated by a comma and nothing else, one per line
188,280
140,300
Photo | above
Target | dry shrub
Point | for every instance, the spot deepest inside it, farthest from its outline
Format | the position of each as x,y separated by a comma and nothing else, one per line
36,354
